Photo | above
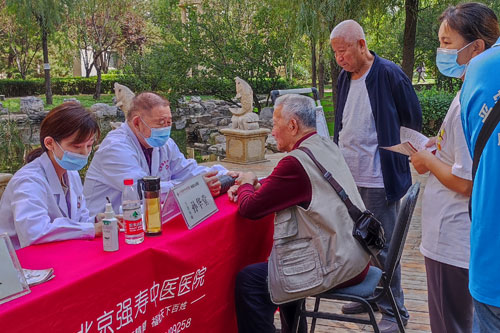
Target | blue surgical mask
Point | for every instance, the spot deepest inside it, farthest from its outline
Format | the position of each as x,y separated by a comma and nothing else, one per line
159,136
70,160
446,61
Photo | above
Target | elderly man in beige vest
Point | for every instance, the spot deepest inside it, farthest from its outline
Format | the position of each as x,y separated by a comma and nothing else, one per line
313,248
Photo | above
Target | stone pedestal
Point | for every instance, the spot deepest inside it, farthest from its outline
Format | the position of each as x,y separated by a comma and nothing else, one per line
4,179
245,146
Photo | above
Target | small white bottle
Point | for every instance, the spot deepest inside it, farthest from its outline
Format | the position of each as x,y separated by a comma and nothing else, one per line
110,230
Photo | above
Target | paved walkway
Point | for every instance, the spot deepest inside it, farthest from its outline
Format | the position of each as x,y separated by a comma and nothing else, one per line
414,279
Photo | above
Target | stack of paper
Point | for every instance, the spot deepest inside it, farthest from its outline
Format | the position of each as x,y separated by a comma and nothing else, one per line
411,142
34,277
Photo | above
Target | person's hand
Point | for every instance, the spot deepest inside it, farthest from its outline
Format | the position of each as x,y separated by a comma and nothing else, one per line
247,178
120,222
212,182
234,174
431,142
232,193
99,217
420,160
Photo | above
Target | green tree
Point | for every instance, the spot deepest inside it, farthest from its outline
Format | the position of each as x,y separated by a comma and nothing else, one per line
20,42
218,41
103,27
49,16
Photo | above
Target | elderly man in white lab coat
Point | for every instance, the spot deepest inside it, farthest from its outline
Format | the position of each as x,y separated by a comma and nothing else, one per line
141,147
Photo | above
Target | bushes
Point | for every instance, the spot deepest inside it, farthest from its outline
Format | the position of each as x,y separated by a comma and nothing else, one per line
435,104
11,147
64,86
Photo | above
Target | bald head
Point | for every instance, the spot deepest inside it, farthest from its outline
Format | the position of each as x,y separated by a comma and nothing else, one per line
349,30
144,103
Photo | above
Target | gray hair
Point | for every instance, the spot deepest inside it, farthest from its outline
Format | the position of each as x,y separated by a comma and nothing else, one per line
302,107
349,30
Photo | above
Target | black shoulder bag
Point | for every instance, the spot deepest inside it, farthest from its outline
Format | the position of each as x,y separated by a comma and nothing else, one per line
489,126
367,230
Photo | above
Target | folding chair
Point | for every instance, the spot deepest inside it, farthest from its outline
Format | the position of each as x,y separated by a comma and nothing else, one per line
367,291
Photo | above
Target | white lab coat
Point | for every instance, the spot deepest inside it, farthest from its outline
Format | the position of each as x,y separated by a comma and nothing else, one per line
120,156
34,210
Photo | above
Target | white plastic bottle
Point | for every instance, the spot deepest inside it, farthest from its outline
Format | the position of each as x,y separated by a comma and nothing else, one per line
132,214
110,230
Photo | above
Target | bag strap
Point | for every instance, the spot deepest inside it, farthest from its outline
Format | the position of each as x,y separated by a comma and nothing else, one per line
488,127
353,210
484,134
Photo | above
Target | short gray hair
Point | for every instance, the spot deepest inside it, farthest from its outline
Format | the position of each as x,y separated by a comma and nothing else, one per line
349,30
302,107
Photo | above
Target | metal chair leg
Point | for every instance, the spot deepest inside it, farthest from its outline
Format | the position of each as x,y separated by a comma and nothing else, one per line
298,316
316,308
396,311
373,320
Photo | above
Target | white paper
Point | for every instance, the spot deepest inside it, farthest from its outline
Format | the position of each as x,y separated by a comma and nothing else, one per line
411,142
195,200
37,276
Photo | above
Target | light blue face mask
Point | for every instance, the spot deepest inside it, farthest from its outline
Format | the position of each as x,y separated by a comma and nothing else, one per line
70,160
159,136
446,61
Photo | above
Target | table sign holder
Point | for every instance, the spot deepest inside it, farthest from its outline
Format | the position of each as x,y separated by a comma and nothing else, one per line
170,208
195,201
12,281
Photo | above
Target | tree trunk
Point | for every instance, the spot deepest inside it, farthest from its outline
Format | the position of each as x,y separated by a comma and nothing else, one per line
97,94
104,62
10,63
313,62
335,72
98,68
411,8
321,72
46,67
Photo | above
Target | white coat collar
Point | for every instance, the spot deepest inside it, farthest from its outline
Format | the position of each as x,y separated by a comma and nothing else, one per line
54,183
155,156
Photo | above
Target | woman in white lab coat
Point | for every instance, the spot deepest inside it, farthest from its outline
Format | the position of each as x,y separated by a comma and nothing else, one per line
44,200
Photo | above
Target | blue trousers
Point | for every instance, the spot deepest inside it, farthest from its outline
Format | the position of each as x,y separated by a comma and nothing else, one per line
486,318
254,308
387,213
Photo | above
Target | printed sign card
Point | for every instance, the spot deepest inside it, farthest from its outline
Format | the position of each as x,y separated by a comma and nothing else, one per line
195,201
12,281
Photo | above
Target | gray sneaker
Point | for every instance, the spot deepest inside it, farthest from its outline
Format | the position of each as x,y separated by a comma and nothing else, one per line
355,308
387,326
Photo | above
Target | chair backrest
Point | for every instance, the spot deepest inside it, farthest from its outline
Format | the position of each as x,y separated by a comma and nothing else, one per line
401,230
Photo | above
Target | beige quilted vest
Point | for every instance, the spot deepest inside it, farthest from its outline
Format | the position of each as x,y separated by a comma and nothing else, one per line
313,249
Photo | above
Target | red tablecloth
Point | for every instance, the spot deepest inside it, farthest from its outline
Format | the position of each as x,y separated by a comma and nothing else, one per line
182,280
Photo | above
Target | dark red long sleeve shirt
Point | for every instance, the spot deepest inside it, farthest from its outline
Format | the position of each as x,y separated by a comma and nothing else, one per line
288,185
